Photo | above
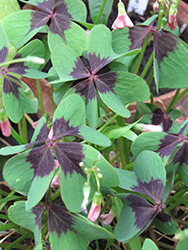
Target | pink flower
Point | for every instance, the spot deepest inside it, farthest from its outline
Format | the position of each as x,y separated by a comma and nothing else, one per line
172,26
34,125
95,208
94,212
55,181
152,128
122,19
156,6
5,128
108,218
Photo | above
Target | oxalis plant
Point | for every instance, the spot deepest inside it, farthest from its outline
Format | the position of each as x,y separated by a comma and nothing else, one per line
93,175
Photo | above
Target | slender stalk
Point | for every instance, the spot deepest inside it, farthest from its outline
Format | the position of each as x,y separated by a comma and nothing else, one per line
150,77
182,222
173,102
108,122
57,193
160,15
165,246
181,95
174,197
22,127
17,136
148,64
28,118
100,11
145,43
40,97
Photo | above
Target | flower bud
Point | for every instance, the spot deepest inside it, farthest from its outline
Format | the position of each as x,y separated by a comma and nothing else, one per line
86,192
156,6
95,208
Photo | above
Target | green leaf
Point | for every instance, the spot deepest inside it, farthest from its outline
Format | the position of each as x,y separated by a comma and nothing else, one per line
135,243
168,228
131,88
120,40
72,108
18,174
68,241
4,39
173,72
94,7
100,42
18,214
149,245
10,150
22,104
35,194
75,38
182,245
72,185
7,7
90,230
19,22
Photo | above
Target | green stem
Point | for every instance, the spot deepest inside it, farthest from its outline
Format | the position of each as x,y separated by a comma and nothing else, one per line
100,11
40,97
22,127
57,193
108,122
181,95
17,136
182,222
148,64
14,61
173,102
150,77
145,43
160,15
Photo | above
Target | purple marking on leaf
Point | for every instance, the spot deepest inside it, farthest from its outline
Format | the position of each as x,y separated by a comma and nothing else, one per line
142,209
85,88
153,189
62,128
163,217
106,82
160,117
3,54
137,36
164,42
43,133
41,160
18,68
38,210
80,71
96,63
168,144
69,155
181,156
59,218
10,86
56,11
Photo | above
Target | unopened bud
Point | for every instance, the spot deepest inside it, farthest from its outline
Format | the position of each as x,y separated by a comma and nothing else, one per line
156,6
35,59
81,164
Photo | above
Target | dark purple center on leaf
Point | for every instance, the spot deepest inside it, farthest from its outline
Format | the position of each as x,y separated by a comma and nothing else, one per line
59,218
153,189
160,117
55,11
93,74
3,54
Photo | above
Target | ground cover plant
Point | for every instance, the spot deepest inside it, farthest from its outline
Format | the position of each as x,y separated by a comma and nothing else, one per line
92,175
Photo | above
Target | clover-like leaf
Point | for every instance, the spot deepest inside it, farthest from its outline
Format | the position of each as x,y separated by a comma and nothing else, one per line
94,74
60,13
137,211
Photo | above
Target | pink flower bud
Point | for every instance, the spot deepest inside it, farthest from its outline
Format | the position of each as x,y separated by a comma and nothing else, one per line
34,125
156,6
172,26
152,128
172,18
86,192
5,128
95,208
122,19
108,218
